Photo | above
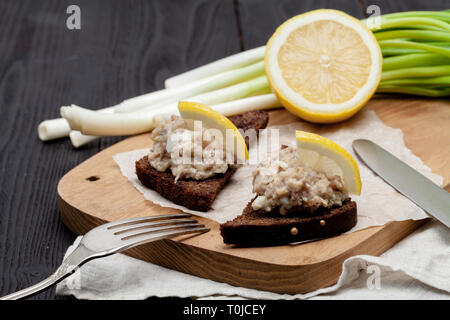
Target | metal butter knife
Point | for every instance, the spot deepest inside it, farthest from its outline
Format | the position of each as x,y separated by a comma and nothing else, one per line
419,189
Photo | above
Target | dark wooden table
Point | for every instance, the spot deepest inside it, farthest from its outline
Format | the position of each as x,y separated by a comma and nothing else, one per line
124,48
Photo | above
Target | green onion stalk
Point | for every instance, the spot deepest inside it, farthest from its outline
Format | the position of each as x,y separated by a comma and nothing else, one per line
416,52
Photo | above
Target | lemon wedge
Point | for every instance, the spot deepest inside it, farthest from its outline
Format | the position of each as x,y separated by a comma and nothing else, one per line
212,119
323,65
324,155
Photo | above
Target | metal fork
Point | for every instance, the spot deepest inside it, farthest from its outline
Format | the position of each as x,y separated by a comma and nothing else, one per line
114,237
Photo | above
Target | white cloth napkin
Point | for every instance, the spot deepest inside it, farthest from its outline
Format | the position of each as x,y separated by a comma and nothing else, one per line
418,267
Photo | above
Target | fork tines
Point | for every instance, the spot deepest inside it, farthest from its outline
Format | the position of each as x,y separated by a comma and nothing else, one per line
113,225
156,227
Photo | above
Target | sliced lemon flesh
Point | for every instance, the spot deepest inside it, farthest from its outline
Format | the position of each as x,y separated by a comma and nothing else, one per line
326,156
212,119
323,65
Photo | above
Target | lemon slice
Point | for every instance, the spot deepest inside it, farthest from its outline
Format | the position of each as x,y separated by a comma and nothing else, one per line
212,119
323,155
323,65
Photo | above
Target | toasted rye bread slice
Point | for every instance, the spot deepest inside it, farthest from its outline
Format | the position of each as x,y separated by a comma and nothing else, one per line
192,194
196,194
260,228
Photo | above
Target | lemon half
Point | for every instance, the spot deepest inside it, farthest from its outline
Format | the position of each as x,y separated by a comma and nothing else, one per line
324,155
212,119
323,65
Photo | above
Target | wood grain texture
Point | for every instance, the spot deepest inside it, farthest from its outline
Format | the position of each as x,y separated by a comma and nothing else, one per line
124,48
431,143
85,204
259,18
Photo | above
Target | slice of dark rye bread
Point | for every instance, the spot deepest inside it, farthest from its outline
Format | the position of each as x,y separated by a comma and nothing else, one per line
260,228
196,194
192,194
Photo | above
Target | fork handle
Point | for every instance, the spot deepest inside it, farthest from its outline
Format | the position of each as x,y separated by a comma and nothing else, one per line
38,287
78,257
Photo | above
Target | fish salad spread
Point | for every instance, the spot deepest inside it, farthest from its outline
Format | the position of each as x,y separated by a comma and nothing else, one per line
187,153
285,183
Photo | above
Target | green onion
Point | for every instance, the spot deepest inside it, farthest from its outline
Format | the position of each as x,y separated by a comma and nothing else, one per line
238,60
388,52
414,45
442,81
413,35
408,22
440,44
237,91
78,139
93,123
415,59
59,128
416,72
260,102
53,129
416,91
192,89
439,15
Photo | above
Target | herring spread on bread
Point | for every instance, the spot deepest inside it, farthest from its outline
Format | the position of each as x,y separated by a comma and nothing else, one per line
280,181
175,146
192,184
295,200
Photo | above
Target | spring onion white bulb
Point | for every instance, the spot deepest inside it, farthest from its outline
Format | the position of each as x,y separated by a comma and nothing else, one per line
229,63
53,129
78,139
94,123
59,128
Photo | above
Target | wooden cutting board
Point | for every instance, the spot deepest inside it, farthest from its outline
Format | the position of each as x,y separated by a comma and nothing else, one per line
95,192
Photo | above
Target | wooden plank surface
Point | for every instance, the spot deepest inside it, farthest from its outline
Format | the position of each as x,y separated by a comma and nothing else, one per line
430,143
125,47
259,19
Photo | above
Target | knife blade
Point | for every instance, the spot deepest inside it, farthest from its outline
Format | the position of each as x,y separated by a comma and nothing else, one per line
419,189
